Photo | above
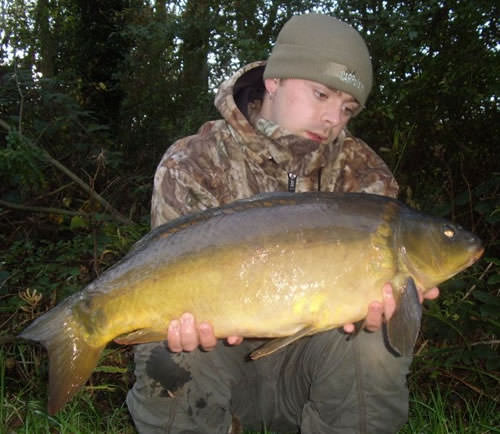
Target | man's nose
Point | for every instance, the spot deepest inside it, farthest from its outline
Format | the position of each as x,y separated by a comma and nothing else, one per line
332,114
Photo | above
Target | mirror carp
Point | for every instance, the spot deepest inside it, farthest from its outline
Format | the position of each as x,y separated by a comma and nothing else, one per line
279,265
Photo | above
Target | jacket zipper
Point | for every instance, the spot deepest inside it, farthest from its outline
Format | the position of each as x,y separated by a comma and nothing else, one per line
292,182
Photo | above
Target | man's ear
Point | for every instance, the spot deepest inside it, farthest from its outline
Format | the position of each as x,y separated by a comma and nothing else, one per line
271,85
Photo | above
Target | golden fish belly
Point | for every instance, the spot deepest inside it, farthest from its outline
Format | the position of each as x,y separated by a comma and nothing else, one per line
267,289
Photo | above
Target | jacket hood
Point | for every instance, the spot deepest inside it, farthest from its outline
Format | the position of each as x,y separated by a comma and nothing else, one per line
262,138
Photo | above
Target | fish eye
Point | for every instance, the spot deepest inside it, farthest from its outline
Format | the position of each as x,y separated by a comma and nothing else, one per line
448,231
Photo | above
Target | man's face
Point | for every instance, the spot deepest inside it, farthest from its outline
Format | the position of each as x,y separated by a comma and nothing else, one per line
308,109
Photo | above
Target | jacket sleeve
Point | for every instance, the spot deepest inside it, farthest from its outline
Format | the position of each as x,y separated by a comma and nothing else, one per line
181,185
364,171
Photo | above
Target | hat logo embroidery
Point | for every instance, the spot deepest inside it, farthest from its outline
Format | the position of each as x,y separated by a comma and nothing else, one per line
351,78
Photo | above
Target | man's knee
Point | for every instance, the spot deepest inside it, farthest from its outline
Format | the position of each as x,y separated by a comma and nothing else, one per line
358,385
181,392
157,371
379,365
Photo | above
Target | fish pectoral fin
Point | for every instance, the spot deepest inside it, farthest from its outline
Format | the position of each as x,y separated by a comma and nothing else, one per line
401,331
276,344
141,336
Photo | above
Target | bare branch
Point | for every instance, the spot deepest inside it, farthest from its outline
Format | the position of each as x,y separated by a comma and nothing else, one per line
481,277
41,209
83,185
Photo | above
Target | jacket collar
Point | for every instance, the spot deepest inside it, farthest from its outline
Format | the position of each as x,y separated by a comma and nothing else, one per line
238,100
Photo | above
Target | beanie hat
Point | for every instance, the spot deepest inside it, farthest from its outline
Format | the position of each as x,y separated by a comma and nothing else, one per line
324,49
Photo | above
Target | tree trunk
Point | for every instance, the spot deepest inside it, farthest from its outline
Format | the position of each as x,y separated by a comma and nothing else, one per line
47,43
195,47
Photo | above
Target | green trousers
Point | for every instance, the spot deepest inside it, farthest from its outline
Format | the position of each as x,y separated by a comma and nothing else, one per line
324,384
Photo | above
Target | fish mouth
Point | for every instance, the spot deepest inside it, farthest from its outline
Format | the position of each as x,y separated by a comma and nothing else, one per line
473,259
476,256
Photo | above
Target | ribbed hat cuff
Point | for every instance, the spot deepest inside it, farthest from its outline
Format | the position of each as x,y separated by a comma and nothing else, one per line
289,61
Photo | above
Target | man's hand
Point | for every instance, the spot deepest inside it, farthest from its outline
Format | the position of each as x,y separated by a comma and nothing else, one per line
378,312
186,335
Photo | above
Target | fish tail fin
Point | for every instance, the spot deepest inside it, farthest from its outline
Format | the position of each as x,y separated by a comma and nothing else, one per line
71,358
401,332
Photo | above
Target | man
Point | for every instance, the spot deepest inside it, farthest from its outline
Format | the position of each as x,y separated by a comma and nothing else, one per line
283,128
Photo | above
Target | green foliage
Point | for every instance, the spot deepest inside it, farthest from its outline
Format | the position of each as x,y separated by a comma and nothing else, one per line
23,409
434,108
437,411
460,332
20,166
56,269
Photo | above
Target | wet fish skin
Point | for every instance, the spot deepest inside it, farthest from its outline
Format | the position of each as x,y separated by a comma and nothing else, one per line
276,265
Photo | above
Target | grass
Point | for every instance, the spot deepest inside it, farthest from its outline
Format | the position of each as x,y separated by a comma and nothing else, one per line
80,416
444,411
435,408
95,409
430,413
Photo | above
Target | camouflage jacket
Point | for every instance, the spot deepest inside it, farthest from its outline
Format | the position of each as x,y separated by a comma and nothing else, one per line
242,155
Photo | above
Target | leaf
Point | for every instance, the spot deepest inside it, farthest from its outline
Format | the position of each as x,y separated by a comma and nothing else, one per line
493,280
493,218
78,222
496,261
489,311
110,369
4,275
456,284
487,298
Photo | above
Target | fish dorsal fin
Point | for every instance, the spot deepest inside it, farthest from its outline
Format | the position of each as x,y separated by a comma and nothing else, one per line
402,330
141,336
276,344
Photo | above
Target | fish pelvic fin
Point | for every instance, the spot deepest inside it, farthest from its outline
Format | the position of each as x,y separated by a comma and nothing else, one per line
71,358
142,336
276,344
401,331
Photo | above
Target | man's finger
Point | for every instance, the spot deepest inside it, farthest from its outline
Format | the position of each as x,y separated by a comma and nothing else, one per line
432,294
189,334
389,302
174,336
208,341
234,340
349,328
374,317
